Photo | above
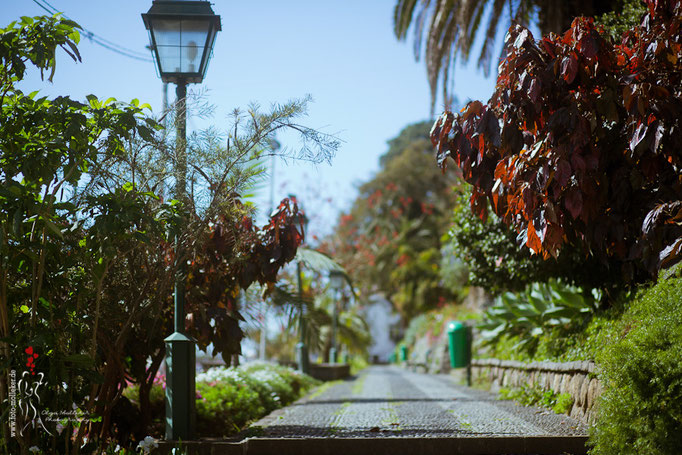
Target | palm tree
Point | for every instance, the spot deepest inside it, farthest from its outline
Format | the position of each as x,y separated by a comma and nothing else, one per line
445,29
317,310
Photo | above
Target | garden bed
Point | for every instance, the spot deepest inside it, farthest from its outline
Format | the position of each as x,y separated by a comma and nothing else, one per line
228,399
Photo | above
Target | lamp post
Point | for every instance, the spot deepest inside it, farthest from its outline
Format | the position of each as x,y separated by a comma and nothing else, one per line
336,280
181,34
302,357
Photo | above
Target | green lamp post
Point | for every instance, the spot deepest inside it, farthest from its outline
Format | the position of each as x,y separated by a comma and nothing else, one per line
302,356
336,281
181,34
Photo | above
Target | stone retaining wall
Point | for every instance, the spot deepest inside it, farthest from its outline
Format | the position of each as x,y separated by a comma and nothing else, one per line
575,378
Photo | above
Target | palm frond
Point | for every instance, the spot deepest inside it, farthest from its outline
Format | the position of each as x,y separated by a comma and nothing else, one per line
317,261
402,17
485,58
318,321
441,45
321,263
472,19
282,296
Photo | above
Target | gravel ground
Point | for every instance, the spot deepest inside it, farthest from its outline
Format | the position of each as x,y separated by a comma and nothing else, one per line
387,401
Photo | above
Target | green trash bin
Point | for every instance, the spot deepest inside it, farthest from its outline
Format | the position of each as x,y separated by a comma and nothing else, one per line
403,353
460,345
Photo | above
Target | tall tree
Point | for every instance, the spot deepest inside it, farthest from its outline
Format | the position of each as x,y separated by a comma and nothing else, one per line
390,240
446,29
580,145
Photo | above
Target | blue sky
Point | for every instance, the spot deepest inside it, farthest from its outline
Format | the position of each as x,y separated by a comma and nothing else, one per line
365,84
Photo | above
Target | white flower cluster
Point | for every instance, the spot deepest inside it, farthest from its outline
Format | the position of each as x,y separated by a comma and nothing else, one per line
271,377
218,374
147,444
268,377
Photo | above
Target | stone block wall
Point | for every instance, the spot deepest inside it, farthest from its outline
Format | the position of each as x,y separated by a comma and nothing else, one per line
575,378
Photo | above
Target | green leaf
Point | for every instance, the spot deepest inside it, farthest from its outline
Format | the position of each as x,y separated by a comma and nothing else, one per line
75,54
537,301
568,298
17,223
24,309
151,195
93,101
493,334
53,227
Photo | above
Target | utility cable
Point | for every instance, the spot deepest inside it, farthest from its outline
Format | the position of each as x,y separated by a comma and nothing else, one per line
93,37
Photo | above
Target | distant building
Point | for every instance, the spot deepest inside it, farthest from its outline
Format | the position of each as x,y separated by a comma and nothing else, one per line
380,317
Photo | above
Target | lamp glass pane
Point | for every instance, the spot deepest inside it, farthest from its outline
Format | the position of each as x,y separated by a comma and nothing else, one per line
209,51
193,35
167,37
169,59
336,280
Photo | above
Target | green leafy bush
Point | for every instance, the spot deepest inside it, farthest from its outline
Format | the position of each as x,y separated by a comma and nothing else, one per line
563,403
225,407
229,398
527,395
580,341
489,249
640,410
499,263
625,16
542,307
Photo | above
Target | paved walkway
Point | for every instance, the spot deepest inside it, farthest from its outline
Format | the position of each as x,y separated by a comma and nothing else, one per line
387,405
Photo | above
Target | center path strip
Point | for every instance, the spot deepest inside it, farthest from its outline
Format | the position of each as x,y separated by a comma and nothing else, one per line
387,410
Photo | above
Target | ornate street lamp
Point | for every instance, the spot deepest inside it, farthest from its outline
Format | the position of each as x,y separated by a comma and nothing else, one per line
302,357
336,281
181,34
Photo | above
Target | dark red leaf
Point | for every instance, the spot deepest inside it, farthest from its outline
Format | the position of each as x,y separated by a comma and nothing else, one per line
638,137
578,163
569,68
523,37
563,173
473,108
534,91
549,47
540,223
573,201
671,255
532,240
658,136
588,46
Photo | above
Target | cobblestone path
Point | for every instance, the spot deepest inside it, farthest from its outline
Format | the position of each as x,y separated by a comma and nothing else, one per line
387,405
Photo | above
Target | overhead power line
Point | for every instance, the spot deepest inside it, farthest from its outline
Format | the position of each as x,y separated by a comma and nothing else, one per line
95,38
